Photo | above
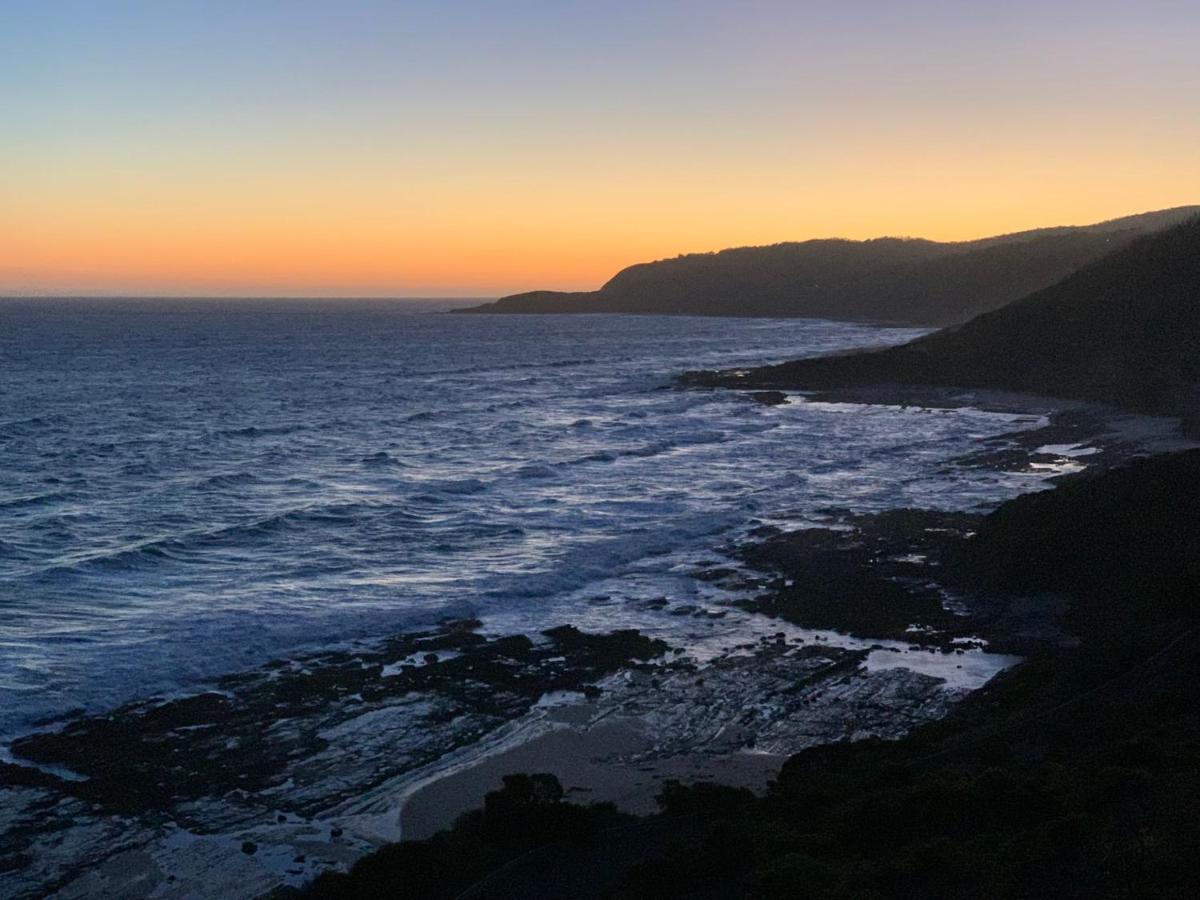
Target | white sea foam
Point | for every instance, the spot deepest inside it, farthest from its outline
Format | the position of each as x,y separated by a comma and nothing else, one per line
204,490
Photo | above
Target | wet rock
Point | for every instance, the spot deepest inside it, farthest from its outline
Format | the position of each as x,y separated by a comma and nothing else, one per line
779,700
769,398
716,574
605,652
270,749
868,576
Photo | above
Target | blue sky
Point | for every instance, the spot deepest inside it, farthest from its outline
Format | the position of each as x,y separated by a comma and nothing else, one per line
405,137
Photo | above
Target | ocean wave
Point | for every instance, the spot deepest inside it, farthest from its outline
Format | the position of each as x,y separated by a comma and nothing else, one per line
200,646
399,473
514,367
36,500
407,517
424,415
467,537
11,550
536,470
139,467
599,456
184,547
30,426
598,559
658,448
454,486
226,480
258,431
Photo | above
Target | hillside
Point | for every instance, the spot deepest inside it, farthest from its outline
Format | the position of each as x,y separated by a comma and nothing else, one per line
1073,775
1123,330
903,280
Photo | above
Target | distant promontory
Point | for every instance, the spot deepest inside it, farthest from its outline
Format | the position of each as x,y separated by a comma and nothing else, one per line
895,280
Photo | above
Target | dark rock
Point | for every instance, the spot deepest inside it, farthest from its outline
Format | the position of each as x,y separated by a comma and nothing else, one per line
25,776
156,755
718,574
1130,533
860,581
769,398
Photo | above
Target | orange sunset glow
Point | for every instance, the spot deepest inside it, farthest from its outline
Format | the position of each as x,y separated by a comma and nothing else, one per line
316,166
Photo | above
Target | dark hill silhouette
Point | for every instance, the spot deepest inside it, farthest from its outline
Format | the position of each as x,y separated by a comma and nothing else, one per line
902,280
1124,330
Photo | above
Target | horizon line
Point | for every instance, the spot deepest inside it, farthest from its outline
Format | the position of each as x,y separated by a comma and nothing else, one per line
169,296
495,295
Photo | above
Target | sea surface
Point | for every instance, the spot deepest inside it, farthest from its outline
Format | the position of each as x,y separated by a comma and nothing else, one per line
189,488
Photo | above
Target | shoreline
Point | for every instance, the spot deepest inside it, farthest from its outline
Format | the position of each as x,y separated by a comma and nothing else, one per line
1125,435
617,737
1120,435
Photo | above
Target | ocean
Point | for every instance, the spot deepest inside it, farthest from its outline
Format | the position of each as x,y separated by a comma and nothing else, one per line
190,488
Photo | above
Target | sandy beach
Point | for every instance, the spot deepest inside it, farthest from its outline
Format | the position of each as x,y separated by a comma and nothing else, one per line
587,763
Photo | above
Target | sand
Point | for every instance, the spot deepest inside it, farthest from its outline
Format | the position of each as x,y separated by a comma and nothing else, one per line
585,760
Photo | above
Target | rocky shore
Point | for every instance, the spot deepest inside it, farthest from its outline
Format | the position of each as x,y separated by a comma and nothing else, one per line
307,764
1075,772
233,791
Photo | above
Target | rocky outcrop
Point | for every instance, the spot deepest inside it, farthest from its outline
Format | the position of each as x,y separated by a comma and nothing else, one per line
161,791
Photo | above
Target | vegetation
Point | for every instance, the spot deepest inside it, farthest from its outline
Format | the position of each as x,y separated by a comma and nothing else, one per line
528,812
1076,775
1132,534
1123,331
888,279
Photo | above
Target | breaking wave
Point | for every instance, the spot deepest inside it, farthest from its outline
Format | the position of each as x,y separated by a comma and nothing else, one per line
207,494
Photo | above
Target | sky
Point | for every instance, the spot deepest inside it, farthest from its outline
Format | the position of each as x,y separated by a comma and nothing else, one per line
304,148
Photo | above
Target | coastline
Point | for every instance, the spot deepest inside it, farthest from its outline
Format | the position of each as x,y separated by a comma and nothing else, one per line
616,725
1113,436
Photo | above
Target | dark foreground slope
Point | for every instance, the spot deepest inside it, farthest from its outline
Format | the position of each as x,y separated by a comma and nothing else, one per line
887,279
1124,330
1075,775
